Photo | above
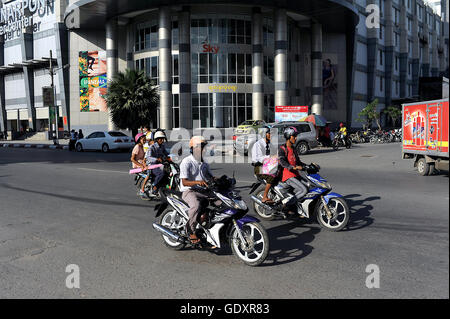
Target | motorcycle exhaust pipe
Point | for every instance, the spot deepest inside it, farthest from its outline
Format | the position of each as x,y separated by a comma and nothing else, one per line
259,202
167,232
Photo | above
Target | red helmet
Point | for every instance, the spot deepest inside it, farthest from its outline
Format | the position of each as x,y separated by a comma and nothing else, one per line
341,125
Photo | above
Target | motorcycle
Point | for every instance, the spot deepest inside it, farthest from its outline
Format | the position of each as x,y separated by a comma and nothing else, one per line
330,209
171,180
224,220
341,141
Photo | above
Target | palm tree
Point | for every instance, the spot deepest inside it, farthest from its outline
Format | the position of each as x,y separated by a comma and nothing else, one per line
393,113
132,100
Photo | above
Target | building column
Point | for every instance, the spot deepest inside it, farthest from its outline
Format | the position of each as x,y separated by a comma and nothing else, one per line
184,65
27,54
112,55
62,55
280,59
257,65
165,68
130,46
316,69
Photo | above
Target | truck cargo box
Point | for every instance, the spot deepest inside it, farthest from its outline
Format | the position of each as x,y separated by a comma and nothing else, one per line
425,128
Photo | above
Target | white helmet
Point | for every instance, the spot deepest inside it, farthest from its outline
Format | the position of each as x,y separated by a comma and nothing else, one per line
159,134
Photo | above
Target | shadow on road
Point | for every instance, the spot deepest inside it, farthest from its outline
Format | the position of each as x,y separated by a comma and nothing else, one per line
287,246
360,211
77,199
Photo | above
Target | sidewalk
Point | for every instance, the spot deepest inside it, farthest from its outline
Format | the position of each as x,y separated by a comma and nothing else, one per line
63,144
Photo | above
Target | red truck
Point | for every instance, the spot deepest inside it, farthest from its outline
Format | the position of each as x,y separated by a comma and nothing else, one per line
425,135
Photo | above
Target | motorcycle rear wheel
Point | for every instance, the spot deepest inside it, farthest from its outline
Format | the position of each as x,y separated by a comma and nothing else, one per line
174,222
258,249
262,212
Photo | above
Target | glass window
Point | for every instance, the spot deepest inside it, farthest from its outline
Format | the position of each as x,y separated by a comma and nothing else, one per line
203,99
142,38
240,31
241,99
195,99
232,67
194,68
222,67
223,30
154,36
148,65
213,77
203,67
231,31
213,31
154,67
249,99
175,69
175,32
147,38
202,31
248,32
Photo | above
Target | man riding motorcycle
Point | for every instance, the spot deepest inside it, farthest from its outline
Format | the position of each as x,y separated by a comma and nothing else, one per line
192,170
290,161
343,132
261,151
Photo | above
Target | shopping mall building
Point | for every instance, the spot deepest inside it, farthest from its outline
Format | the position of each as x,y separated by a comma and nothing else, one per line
217,63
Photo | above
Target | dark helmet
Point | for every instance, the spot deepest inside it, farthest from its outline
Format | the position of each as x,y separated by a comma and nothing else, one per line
264,130
290,131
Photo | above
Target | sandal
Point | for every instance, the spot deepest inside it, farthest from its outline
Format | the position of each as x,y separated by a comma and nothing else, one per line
194,239
268,201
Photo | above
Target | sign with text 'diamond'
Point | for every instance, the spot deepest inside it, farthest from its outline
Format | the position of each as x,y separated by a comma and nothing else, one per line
290,112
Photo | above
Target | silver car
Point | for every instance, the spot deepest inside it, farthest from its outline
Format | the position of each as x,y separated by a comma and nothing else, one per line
306,140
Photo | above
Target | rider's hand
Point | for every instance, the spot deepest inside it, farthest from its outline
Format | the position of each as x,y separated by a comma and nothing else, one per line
202,183
299,168
160,160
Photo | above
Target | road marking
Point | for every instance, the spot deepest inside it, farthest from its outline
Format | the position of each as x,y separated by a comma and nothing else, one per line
102,170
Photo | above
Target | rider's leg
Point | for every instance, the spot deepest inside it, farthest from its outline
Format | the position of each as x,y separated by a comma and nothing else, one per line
145,182
159,175
193,199
300,190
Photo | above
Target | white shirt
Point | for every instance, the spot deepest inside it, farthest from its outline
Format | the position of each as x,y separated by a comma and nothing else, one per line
193,170
259,151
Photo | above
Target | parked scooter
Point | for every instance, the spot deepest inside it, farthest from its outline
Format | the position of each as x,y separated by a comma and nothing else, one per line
330,209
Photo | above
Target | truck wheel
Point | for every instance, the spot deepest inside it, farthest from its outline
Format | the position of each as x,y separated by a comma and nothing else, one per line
423,167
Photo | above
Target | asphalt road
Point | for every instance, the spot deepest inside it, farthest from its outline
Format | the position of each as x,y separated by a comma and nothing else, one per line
59,208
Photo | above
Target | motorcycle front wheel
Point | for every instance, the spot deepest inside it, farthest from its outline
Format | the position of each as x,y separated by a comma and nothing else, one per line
335,145
257,248
340,214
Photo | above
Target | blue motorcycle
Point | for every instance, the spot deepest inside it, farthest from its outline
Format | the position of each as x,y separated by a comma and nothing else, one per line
330,209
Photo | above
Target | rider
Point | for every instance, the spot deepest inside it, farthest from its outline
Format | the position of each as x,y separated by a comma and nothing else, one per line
138,160
148,136
261,151
157,154
290,161
343,131
193,169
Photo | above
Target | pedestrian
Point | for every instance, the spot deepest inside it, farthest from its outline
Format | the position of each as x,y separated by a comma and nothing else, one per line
80,134
72,141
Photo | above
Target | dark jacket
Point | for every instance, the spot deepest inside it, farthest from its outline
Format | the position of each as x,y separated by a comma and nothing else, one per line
283,158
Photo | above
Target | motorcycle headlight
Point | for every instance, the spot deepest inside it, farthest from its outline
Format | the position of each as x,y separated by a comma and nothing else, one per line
240,204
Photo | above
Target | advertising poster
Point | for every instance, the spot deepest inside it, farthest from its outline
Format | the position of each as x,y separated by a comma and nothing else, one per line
329,82
290,113
92,69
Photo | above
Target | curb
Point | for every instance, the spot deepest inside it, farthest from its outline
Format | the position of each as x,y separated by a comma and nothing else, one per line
40,146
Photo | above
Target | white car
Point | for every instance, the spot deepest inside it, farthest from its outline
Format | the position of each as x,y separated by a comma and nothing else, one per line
105,141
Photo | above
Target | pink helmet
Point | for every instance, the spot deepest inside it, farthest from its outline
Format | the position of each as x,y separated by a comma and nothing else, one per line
138,136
